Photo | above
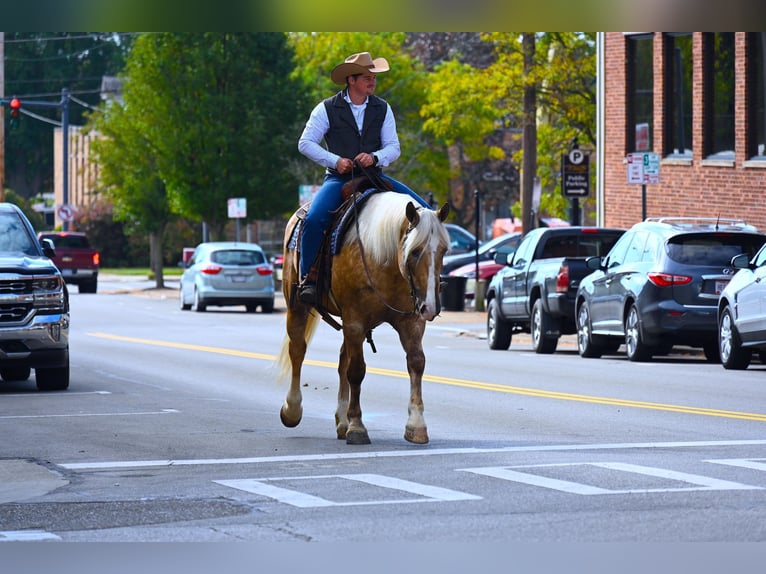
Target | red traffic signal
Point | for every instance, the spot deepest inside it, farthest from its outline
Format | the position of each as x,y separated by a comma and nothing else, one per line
15,104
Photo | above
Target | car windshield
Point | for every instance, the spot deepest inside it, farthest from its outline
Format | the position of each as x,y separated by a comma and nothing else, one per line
712,249
237,257
13,235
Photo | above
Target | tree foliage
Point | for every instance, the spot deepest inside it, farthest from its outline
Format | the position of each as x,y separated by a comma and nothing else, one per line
208,117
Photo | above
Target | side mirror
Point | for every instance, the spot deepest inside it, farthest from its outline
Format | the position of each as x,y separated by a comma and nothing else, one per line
48,250
594,263
741,261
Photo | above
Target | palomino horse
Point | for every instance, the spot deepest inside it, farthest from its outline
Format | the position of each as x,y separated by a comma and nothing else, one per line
387,271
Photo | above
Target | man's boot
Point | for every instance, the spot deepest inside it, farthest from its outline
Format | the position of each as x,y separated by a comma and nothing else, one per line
307,290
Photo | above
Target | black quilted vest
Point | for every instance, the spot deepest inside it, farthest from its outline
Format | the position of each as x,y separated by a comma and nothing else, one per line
343,137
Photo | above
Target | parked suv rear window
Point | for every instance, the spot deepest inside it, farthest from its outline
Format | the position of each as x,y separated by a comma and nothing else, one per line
713,249
237,257
69,241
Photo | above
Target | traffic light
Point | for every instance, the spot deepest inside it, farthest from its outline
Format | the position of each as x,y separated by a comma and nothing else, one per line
15,105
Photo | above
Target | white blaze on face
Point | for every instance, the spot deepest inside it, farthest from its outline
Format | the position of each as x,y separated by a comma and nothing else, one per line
430,304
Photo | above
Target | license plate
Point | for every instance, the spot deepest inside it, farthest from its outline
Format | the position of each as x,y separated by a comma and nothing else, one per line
720,286
238,278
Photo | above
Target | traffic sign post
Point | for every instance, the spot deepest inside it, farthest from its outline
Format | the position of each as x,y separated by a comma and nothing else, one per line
237,209
575,179
643,168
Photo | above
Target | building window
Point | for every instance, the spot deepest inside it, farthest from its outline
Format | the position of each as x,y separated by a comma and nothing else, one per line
756,92
718,73
640,93
678,95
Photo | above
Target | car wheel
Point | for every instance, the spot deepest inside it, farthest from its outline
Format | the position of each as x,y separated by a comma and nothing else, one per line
498,331
90,286
251,308
56,379
183,305
585,345
733,356
635,347
198,305
15,373
267,306
712,351
541,324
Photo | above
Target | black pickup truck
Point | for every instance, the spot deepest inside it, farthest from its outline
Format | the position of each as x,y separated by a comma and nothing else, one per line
535,291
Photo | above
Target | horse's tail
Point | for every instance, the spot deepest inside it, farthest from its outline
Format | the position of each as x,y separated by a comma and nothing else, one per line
285,365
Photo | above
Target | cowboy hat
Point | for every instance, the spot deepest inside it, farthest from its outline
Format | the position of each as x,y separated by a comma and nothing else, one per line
361,63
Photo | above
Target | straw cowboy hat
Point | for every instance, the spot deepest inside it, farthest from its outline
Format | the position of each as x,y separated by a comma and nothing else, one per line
361,63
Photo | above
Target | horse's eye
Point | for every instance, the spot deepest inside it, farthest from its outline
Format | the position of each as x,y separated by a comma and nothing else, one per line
416,253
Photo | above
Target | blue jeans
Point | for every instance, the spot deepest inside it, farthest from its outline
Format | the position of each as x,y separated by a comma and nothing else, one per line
327,200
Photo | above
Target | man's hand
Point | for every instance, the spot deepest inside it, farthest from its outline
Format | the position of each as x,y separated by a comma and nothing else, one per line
344,165
365,159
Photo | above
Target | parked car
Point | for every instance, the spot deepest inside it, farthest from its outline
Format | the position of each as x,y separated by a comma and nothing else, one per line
461,240
75,258
535,291
486,252
659,287
742,312
487,270
34,307
227,274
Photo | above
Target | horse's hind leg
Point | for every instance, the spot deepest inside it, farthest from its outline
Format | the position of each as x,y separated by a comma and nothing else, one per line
353,340
292,409
411,337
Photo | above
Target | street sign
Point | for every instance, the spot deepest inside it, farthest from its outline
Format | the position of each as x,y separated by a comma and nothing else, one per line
643,167
237,207
575,173
65,212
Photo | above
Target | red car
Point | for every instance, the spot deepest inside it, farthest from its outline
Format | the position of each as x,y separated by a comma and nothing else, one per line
487,270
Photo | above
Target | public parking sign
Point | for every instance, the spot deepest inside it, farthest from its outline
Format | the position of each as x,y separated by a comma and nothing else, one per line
575,173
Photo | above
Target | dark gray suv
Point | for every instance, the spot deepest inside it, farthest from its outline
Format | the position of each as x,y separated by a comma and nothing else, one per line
659,287
34,306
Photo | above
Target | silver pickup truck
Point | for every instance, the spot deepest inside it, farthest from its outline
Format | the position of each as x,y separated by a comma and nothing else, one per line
34,306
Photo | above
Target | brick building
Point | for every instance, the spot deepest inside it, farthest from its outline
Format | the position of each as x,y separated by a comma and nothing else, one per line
697,100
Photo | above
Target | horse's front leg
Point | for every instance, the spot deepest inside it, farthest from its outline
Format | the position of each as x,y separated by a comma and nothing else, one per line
356,368
411,337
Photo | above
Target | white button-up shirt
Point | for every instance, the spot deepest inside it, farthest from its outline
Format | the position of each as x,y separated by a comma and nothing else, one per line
310,142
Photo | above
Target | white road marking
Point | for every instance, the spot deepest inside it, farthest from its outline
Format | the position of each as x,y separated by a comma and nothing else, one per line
751,463
26,535
700,482
107,465
61,394
126,414
428,493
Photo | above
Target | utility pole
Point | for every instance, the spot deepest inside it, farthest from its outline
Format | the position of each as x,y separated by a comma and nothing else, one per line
2,117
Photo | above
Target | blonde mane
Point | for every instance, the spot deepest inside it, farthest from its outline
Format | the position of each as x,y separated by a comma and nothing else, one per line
381,225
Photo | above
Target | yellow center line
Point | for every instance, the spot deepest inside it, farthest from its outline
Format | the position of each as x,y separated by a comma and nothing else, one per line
458,382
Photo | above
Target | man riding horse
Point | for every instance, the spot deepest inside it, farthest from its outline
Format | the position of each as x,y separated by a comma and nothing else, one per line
356,126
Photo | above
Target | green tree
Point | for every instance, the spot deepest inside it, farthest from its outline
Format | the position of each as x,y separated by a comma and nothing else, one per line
219,113
467,104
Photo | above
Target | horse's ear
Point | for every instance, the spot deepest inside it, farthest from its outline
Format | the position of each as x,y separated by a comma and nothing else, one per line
412,214
444,212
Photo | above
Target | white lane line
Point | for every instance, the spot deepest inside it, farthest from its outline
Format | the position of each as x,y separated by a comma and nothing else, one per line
57,395
26,535
300,499
699,482
751,463
106,465
126,414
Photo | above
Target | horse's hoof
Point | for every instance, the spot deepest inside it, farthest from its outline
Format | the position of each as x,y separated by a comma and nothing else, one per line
416,435
342,431
290,423
357,437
